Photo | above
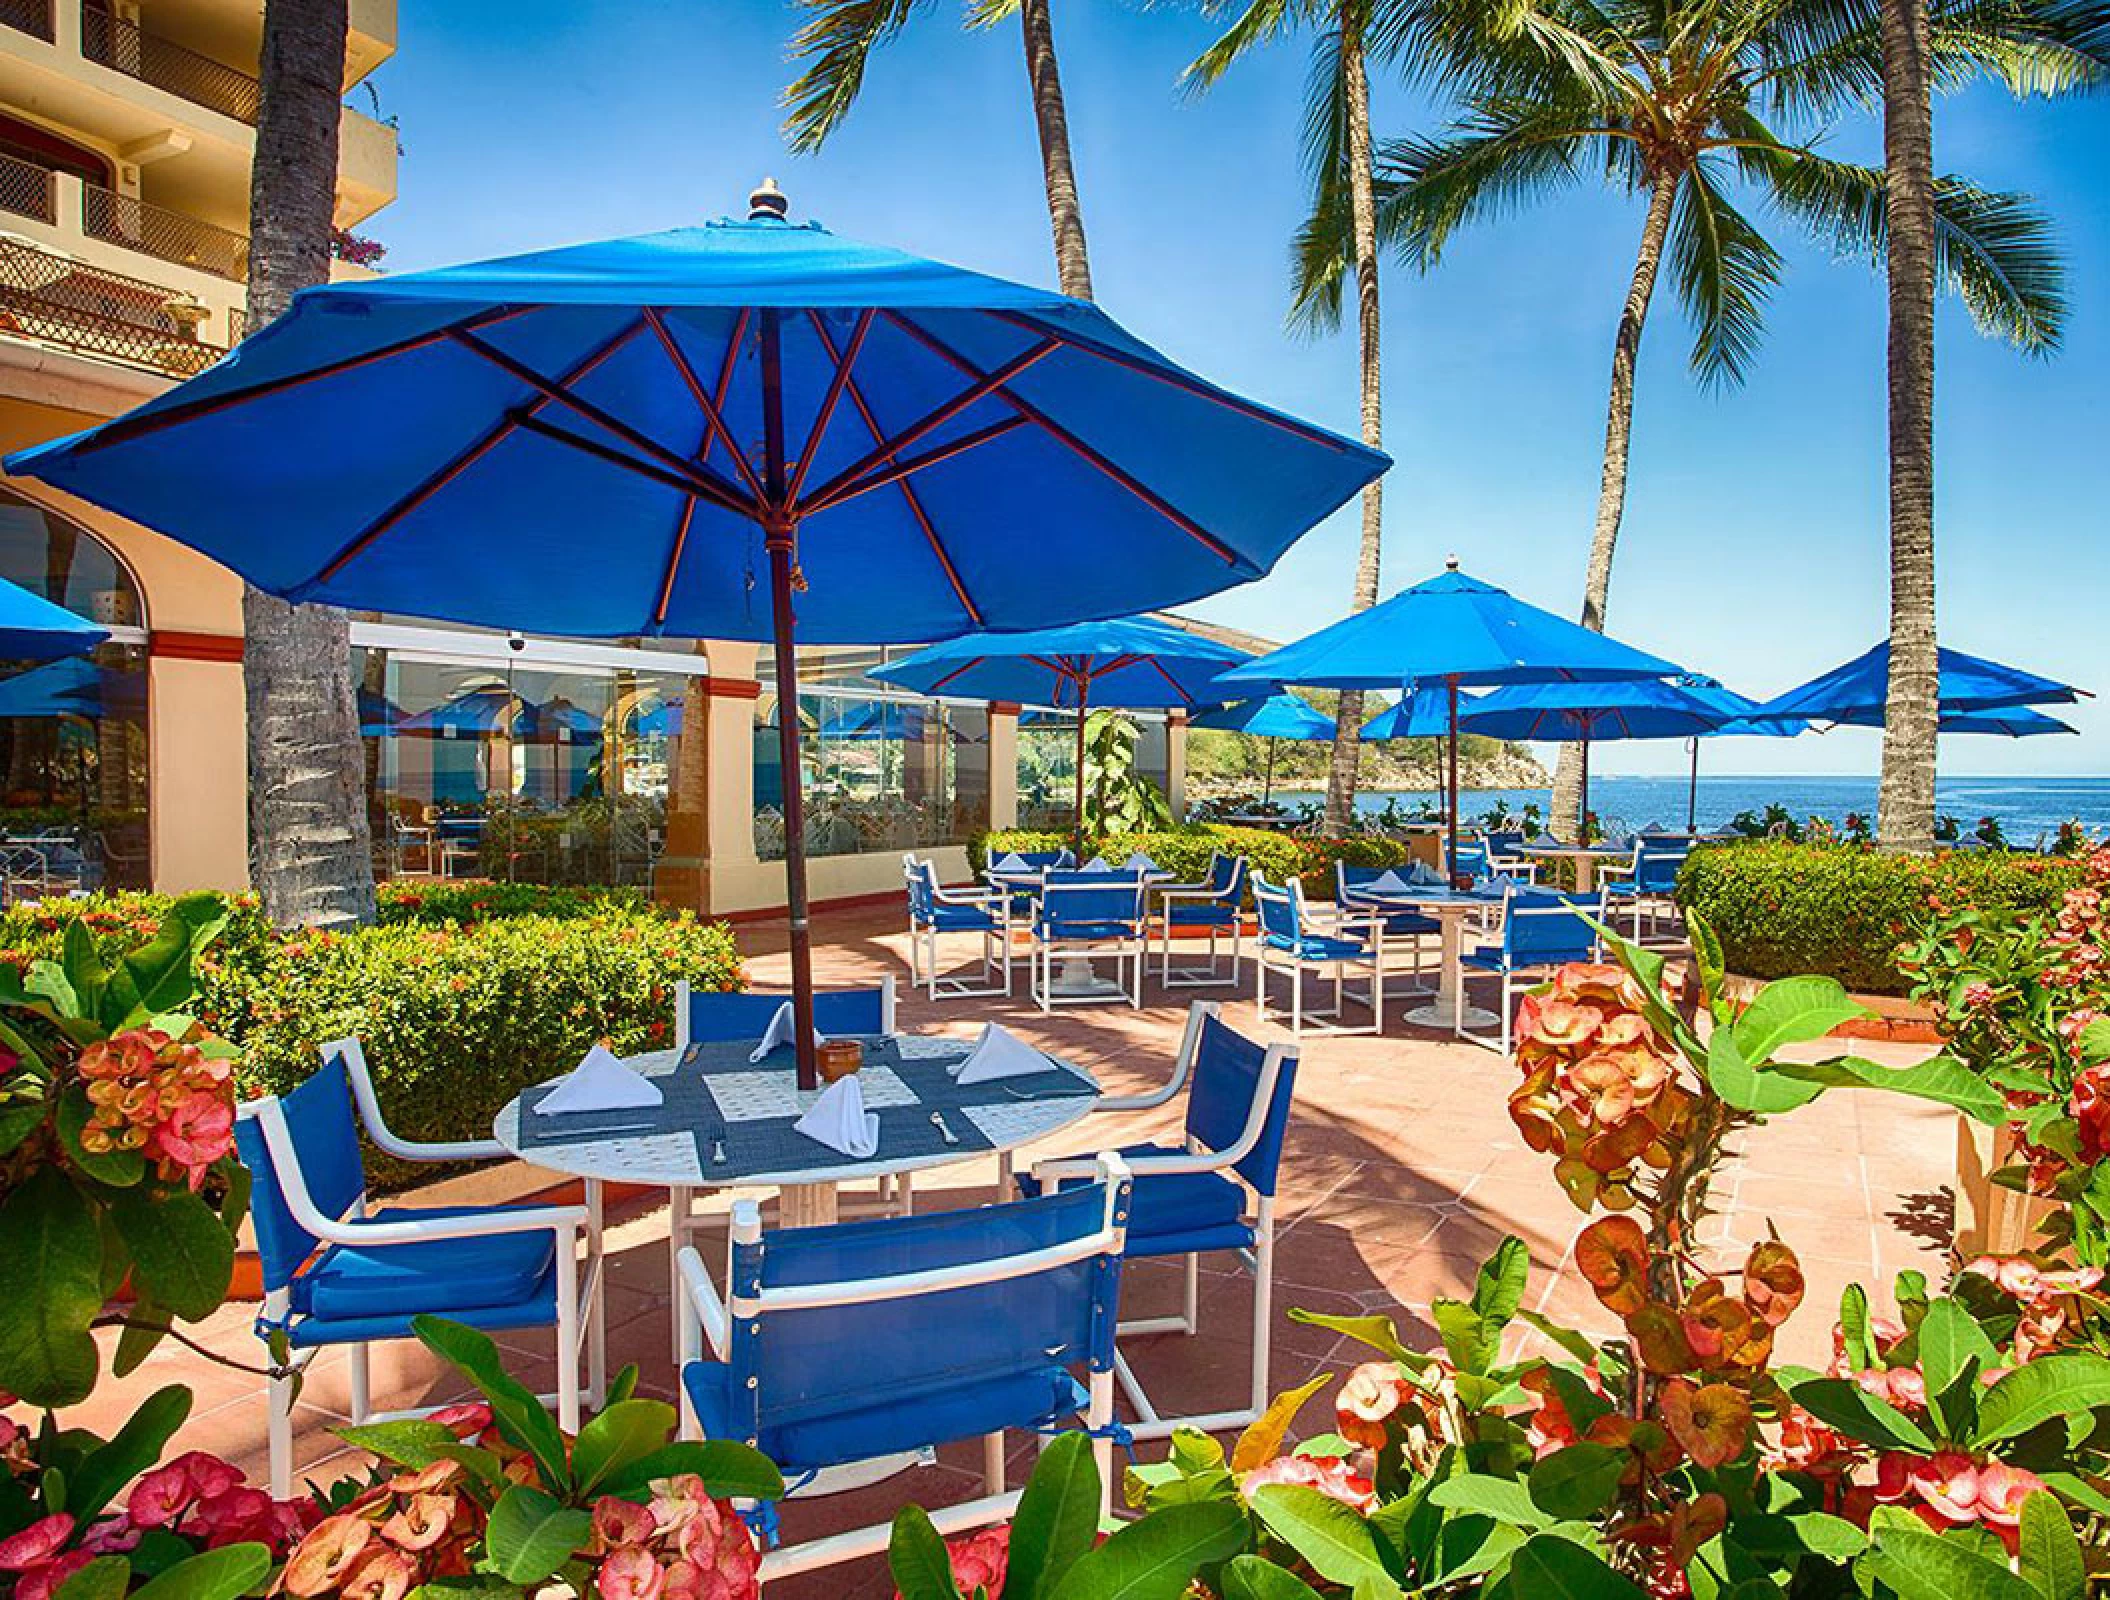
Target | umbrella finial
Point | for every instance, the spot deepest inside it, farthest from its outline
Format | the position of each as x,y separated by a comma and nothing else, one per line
767,201
1450,563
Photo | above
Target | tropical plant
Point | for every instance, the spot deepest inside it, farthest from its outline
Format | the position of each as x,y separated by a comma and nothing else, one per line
116,1153
836,45
1683,103
310,852
1117,797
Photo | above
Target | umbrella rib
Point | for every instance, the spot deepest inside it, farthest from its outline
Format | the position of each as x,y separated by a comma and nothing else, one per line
710,489
553,390
1127,480
914,464
132,427
713,410
1158,667
666,582
956,671
819,431
908,491
433,484
844,482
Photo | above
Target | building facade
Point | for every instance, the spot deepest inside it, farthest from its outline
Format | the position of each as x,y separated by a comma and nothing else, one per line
127,129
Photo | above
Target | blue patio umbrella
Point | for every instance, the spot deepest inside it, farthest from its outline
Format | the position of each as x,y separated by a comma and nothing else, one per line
1279,716
472,714
1130,662
1419,713
378,715
748,430
2016,722
1736,710
1857,691
33,629
72,687
1587,713
1455,631
874,721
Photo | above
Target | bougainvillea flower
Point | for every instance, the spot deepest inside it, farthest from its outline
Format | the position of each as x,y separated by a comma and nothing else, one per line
321,1559
465,1421
44,1581
379,1572
1612,1254
1598,1089
1659,1338
979,1560
2001,1491
1556,1023
2090,1105
1329,1475
1773,1282
1647,1442
160,1497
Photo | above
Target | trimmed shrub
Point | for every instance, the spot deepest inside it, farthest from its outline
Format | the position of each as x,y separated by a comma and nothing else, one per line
1841,910
1184,851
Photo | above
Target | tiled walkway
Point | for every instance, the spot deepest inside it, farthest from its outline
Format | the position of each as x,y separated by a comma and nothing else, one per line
1401,1172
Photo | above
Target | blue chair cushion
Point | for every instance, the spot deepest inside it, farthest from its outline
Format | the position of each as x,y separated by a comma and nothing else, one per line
1321,947
1401,922
1497,961
1086,930
1175,1213
1201,914
960,919
440,1275
901,1420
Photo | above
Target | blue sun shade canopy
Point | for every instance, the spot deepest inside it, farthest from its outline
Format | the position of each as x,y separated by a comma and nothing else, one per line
2016,722
1451,626
1857,691
1735,710
33,629
571,441
1130,662
1279,716
1640,708
1421,712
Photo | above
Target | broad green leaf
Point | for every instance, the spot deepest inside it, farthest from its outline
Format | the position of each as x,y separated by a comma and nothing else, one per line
917,1558
1823,1534
1745,1088
1498,1287
1578,1482
2050,1386
1056,1520
1952,1351
145,1326
104,1578
1378,1332
54,1254
1463,1330
531,1534
2049,1554
1334,1539
182,1253
1157,1557
520,1416
1548,1567
1707,958
1577,1344
2077,1489
130,1451
1471,1544
2094,1041
1256,1578
409,1442
156,977
1504,1499
19,1120
1792,1011
86,975
222,1574
1262,1440
729,1470
1192,1451
1853,1325
1928,1566
626,1431
1846,1406
1942,1079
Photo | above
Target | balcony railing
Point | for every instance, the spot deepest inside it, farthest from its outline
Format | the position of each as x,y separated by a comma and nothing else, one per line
156,231
126,47
48,296
31,16
26,189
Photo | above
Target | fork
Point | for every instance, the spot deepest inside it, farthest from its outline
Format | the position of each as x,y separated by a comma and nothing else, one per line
937,1120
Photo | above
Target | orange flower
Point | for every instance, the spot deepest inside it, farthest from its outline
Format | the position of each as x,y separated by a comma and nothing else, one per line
321,1560
1712,1422
1612,1254
1773,1282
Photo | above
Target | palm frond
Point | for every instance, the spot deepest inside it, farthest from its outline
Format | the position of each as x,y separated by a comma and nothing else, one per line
1322,254
2034,47
1725,271
1258,24
837,41
988,13
1496,159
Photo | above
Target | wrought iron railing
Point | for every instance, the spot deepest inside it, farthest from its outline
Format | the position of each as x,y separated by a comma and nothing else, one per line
26,189
48,296
156,231
31,16
128,48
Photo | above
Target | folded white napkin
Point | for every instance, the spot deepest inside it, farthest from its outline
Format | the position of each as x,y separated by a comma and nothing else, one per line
1387,882
1097,864
1422,873
781,1030
599,1083
839,1119
1013,863
1139,862
999,1053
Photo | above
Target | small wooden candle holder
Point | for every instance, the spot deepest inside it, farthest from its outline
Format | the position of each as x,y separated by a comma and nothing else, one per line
838,1058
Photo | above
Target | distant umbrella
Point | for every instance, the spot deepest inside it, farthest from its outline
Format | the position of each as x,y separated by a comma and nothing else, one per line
1857,691
1420,713
1587,713
33,629
1279,716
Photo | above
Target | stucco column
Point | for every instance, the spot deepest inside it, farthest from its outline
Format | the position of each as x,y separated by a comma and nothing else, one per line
1176,763
710,792
197,762
1003,764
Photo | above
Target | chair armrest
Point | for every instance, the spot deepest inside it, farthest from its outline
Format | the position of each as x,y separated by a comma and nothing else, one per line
455,1150
523,1219
964,896
702,1313
1140,1166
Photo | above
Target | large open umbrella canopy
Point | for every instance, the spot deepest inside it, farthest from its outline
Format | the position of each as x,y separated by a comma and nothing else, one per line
33,629
1131,663
1857,691
751,430
1455,631
1279,716
1637,708
1736,712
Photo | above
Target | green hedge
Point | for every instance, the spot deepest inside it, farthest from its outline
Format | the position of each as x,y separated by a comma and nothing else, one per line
464,994
1783,908
1184,851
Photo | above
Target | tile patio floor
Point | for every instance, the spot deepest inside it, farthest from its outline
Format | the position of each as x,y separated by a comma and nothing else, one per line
1401,1172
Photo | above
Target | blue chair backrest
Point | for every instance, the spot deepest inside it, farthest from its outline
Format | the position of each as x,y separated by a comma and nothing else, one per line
715,1016
1350,881
1656,866
1279,922
1073,898
878,1358
1227,875
922,891
326,1146
1471,859
1551,928
1227,1068
1505,844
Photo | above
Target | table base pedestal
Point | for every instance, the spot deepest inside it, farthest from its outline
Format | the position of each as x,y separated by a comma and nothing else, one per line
1442,1014
806,1205
1077,981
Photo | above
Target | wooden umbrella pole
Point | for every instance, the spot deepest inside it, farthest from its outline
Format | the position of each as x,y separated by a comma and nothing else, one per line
1084,694
1267,785
1582,826
779,532
1692,789
1450,861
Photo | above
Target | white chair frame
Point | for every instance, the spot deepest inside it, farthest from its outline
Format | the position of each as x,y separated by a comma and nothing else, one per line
1267,958
581,1314
1514,978
1619,882
1042,953
923,943
1213,975
704,1317
1359,914
1259,1261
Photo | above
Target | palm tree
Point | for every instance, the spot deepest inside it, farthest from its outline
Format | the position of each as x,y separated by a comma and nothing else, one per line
1678,102
310,855
837,42
1337,156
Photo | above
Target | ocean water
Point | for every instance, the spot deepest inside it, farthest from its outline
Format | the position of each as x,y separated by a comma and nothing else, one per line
2027,808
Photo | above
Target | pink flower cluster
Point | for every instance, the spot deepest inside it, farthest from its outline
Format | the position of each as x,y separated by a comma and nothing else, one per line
683,1545
979,1562
162,1097
2050,1298
1331,1476
1953,1490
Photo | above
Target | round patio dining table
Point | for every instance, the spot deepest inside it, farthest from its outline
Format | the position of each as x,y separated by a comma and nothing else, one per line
1450,907
1585,857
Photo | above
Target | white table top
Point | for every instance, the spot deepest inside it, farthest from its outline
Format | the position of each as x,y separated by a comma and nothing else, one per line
1602,851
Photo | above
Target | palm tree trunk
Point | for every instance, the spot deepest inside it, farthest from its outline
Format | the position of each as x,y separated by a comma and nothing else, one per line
1362,202
310,851
1073,269
1905,804
1566,817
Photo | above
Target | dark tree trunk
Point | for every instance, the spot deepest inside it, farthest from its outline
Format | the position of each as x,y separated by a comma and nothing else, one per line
1065,213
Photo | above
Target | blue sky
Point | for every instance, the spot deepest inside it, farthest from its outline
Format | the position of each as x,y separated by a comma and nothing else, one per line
1755,537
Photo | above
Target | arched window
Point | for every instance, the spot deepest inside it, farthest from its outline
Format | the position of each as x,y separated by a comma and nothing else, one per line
73,732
